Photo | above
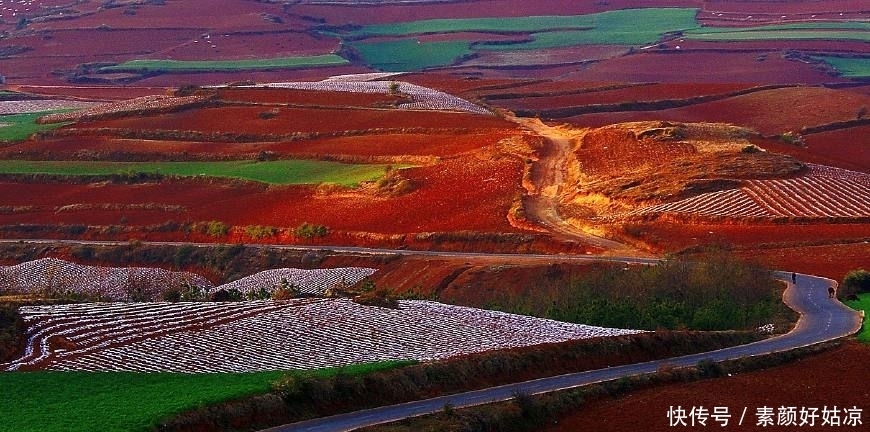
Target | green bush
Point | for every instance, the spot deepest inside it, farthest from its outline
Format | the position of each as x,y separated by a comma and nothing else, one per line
855,282
307,230
260,231
213,228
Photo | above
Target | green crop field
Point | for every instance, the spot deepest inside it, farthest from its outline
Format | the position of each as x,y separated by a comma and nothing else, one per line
274,172
127,401
848,67
15,127
859,31
411,55
406,52
225,65
863,303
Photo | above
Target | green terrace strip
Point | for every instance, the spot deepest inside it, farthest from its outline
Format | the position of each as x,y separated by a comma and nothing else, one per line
181,66
405,52
863,303
848,67
273,172
858,31
129,401
16,127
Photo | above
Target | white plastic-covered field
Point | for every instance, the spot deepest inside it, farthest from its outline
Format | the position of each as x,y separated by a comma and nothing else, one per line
314,281
267,335
51,275
55,276
424,98
41,105
823,192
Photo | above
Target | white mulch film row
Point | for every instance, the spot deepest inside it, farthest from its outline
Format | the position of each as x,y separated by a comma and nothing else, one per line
424,98
267,335
143,103
821,193
40,105
117,283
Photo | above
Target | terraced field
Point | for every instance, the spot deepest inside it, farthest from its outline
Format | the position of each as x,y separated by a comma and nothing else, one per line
266,335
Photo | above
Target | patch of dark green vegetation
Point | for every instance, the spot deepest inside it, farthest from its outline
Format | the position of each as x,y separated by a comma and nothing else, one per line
714,292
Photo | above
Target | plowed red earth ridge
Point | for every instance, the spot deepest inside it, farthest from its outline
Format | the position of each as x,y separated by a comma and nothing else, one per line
822,193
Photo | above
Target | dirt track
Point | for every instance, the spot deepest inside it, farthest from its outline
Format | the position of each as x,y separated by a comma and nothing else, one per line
548,179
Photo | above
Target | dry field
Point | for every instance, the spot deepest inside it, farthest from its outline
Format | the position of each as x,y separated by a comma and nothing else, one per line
266,335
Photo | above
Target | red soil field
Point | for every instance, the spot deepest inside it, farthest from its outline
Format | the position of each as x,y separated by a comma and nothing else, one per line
455,83
822,380
641,93
247,45
86,42
845,148
100,93
460,193
770,47
278,75
370,146
245,16
307,97
702,67
769,112
246,120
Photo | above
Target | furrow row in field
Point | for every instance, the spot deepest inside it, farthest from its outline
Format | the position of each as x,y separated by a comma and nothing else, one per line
85,331
299,334
824,192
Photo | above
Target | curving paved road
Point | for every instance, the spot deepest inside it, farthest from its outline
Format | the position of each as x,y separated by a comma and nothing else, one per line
821,319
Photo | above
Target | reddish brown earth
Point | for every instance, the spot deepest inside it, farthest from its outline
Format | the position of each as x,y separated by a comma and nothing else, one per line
712,67
639,93
247,120
769,112
824,380
307,97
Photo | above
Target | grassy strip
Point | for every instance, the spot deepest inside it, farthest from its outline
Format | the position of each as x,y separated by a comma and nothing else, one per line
16,127
181,66
849,67
863,303
127,401
767,35
273,172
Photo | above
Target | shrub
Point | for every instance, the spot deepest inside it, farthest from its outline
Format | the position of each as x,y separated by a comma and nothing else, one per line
792,138
213,228
856,282
307,230
260,231
229,295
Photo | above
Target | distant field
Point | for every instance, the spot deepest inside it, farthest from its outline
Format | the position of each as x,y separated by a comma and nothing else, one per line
849,67
858,31
274,172
863,303
410,54
225,65
535,32
17,127
104,401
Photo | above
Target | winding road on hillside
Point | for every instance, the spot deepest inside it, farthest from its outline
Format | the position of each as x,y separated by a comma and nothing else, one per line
821,319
